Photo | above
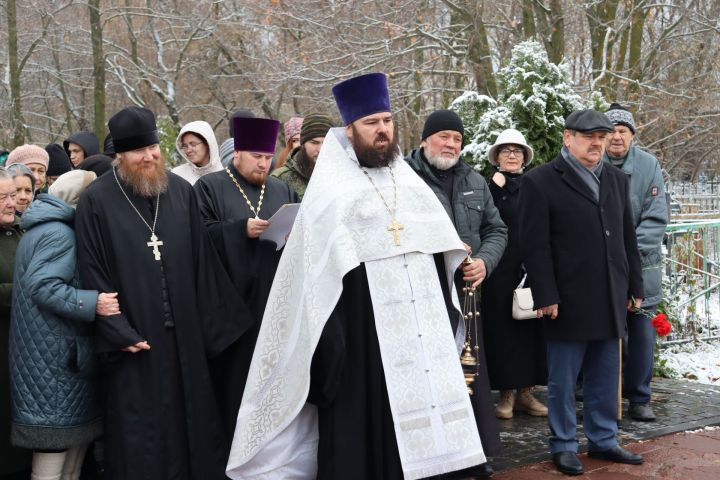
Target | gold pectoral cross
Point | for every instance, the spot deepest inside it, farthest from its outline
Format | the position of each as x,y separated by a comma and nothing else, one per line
154,244
395,228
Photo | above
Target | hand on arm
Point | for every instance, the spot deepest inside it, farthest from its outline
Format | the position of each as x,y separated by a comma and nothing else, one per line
107,304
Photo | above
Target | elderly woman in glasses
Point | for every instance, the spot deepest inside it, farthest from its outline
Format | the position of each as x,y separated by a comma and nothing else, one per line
197,145
515,350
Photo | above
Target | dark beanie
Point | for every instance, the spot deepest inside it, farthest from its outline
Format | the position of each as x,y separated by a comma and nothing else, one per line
440,120
59,161
96,163
243,113
314,126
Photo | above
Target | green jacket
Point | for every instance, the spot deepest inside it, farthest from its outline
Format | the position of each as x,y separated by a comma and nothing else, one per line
291,174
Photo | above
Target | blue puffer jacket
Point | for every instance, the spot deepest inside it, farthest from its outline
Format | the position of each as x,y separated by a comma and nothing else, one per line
51,346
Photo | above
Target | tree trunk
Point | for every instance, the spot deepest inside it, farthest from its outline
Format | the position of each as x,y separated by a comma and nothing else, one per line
18,122
556,52
98,67
639,14
528,19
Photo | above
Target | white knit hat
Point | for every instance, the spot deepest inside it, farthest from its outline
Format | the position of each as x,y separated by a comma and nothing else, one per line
69,186
26,154
507,137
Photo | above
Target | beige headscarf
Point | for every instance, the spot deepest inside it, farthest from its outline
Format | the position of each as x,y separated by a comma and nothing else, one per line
69,186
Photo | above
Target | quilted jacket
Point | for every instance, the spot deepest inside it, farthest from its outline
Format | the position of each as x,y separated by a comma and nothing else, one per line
51,343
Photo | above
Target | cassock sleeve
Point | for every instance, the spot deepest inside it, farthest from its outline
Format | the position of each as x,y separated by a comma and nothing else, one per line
114,332
328,361
220,230
225,316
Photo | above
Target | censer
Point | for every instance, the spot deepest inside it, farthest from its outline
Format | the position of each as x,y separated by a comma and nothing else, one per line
469,356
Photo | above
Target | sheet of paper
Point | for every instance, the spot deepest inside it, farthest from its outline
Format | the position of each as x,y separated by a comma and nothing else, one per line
280,224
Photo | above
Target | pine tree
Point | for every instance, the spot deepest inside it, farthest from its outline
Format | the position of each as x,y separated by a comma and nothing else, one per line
536,96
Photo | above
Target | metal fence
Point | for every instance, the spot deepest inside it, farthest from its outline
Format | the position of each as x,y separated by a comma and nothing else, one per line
691,284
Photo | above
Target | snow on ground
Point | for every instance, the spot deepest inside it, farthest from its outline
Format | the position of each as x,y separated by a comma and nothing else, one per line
699,363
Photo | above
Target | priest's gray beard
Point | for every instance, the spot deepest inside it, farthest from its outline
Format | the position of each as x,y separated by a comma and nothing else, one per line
144,182
440,162
371,155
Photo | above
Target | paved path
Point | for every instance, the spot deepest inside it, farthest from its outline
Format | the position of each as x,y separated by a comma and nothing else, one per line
683,456
680,405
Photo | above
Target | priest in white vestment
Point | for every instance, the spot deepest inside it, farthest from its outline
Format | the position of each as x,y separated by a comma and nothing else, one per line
356,371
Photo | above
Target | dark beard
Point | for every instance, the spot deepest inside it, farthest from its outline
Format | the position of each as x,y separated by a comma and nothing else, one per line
144,184
371,156
304,163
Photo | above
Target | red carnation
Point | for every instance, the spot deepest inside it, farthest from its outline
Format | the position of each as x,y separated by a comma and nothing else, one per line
662,326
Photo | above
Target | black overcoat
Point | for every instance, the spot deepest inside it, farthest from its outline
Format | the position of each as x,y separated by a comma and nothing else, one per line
579,253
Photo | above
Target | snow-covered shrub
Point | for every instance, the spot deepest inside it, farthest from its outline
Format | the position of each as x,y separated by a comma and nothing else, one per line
536,97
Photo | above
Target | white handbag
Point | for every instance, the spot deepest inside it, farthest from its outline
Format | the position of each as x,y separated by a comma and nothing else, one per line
522,306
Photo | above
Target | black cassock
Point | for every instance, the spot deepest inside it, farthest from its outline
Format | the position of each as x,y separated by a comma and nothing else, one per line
347,384
251,263
162,419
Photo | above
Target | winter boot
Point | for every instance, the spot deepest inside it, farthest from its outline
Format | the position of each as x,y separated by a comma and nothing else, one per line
504,409
527,403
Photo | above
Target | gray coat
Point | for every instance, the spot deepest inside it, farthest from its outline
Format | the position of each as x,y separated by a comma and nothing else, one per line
471,209
54,396
650,216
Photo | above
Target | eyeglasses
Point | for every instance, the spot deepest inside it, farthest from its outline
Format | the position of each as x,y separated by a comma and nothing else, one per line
192,145
518,152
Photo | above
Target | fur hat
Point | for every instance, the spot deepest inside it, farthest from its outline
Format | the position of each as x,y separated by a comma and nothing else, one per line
510,137
69,186
26,154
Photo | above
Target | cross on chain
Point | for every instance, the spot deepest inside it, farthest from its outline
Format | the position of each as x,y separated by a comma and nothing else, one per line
154,244
395,228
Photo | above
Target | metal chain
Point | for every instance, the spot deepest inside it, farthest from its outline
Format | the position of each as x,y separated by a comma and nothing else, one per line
247,200
157,205
392,175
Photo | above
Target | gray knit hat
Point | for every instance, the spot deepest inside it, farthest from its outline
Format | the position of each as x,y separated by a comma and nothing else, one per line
620,115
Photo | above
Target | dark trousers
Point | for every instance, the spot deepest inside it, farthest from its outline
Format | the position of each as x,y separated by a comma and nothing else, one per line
600,363
639,359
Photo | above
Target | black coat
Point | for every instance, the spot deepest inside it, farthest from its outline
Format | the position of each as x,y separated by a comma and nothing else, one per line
579,253
515,351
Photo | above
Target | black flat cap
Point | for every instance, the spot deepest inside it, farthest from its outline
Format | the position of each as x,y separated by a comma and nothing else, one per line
588,121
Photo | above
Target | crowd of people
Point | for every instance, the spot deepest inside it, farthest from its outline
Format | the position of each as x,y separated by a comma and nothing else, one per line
146,310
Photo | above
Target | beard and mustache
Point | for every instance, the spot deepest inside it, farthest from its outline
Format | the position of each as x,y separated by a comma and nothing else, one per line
371,155
144,182
440,162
